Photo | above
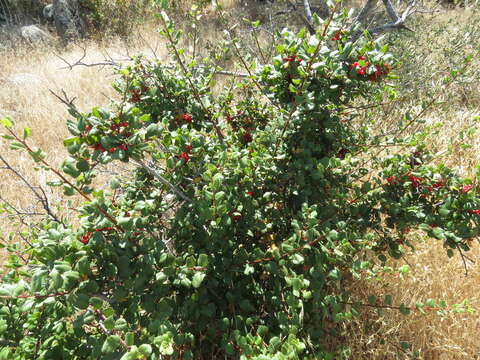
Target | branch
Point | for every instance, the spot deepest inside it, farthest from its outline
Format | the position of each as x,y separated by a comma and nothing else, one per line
390,10
398,22
308,10
307,22
80,62
42,198
164,181
367,8
66,101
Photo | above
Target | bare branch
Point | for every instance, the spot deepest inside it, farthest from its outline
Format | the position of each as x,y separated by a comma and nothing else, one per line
42,197
164,181
80,62
391,10
65,100
307,22
367,9
308,10
398,22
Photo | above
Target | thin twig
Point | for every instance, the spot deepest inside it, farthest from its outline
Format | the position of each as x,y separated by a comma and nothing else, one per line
41,198
164,181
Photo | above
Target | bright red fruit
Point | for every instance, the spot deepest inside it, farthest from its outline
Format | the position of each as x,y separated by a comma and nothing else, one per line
185,156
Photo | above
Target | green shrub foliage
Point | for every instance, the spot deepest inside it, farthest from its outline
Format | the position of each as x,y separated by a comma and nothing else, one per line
244,212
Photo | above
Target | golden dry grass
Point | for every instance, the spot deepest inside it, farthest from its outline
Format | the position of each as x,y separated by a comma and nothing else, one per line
432,274
28,75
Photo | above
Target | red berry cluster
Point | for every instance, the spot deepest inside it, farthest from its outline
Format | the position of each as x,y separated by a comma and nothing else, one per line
86,238
416,182
372,72
244,123
338,35
292,58
120,129
136,95
183,117
185,155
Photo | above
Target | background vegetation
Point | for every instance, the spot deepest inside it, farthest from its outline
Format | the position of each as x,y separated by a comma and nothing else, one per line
439,45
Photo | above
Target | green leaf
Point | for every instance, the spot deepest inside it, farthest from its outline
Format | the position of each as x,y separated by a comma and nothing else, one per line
130,338
165,344
203,260
152,130
335,274
81,301
388,299
68,190
121,324
7,122
96,302
15,145
404,310
133,354
197,279
26,133
145,350
111,344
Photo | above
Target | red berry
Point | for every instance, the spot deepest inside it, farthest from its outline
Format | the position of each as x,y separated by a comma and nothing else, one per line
466,188
135,97
187,118
185,157
337,36
113,149
99,147
123,124
123,147
354,65
247,137
362,71
86,238
188,148
250,193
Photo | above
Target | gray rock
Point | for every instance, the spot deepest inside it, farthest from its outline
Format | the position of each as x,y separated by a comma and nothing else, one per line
69,24
33,34
48,12
24,79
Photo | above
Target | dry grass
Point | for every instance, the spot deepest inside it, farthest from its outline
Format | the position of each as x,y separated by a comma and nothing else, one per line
28,75
432,274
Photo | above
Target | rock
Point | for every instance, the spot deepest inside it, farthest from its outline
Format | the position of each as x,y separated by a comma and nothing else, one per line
24,79
69,24
48,12
33,33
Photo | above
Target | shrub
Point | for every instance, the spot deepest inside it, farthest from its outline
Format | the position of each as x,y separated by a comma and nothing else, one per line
244,214
115,17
